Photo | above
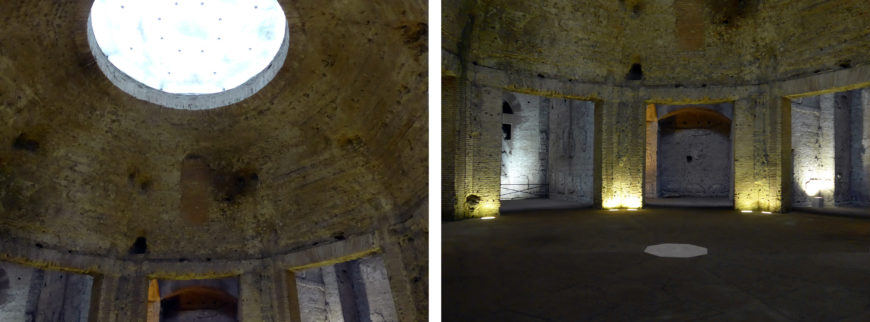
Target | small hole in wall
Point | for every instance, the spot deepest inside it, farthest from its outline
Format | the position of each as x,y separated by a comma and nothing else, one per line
635,73
506,130
636,10
140,246
845,63
23,142
689,159
506,108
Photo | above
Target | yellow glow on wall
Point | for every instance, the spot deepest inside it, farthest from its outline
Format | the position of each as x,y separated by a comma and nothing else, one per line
756,196
623,201
476,206
487,208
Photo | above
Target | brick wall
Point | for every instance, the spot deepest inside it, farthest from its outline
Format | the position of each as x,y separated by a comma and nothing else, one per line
524,156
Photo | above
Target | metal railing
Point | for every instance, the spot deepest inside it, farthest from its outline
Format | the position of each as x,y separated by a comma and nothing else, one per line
524,191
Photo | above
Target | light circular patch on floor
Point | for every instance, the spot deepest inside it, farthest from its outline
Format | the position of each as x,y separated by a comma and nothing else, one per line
189,54
676,250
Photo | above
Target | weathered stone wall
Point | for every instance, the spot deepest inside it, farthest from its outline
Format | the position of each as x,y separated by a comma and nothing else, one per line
571,150
751,42
694,163
817,36
627,54
853,164
760,124
481,131
553,38
842,137
524,156
694,159
622,149
15,282
36,295
860,149
456,16
351,291
829,147
450,139
758,155
808,146
650,174
317,299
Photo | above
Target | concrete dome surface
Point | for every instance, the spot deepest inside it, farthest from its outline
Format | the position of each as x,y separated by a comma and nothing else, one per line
332,150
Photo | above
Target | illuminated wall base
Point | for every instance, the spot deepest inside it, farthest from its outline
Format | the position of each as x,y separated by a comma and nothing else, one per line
477,207
623,201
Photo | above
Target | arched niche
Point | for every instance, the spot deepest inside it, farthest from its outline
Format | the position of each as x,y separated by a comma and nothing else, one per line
689,155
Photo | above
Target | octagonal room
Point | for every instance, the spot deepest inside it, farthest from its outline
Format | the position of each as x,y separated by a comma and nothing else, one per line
586,132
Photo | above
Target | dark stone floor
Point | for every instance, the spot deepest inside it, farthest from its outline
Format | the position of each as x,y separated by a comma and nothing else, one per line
590,265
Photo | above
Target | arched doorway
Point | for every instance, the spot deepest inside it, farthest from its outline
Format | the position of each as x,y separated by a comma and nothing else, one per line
193,300
689,156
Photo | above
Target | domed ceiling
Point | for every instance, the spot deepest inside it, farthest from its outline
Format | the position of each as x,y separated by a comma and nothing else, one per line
335,145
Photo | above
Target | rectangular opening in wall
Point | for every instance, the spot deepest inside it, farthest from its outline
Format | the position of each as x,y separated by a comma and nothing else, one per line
831,150
550,152
193,300
689,155
356,290
31,294
506,131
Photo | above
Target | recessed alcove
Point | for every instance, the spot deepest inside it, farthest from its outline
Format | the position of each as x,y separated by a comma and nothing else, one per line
32,294
689,155
830,150
193,300
356,290
549,153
